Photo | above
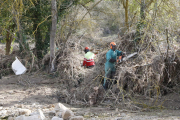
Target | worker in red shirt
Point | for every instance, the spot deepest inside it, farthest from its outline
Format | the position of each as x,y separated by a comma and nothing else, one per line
88,58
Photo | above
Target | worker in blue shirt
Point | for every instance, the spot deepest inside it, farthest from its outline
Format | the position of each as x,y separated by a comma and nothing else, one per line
110,65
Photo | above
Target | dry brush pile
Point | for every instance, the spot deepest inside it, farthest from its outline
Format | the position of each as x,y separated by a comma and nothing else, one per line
148,73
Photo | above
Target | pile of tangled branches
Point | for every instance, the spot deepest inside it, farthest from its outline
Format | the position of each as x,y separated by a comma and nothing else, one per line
147,73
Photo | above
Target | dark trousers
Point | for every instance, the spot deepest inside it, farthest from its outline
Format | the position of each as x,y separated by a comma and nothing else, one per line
90,66
109,79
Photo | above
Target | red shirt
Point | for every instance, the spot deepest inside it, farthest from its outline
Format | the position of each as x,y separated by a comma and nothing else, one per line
89,59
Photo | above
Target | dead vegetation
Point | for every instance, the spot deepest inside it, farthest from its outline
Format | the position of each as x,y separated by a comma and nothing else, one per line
147,74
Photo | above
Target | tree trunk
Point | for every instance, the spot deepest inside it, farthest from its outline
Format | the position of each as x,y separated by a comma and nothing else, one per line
8,42
126,15
142,12
141,24
53,34
125,6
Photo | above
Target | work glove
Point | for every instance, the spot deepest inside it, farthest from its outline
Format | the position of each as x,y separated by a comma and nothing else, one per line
112,60
120,60
123,54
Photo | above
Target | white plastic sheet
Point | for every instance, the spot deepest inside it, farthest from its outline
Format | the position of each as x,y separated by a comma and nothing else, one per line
18,67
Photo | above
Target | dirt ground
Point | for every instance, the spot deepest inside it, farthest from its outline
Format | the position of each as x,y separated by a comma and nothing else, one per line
32,89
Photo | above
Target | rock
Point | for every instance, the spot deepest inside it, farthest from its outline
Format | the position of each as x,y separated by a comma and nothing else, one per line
59,114
66,114
60,107
50,106
52,113
23,117
20,106
41,115
10,118
3,113
120,118
77,118
34,113
38,113
26,112
56,118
